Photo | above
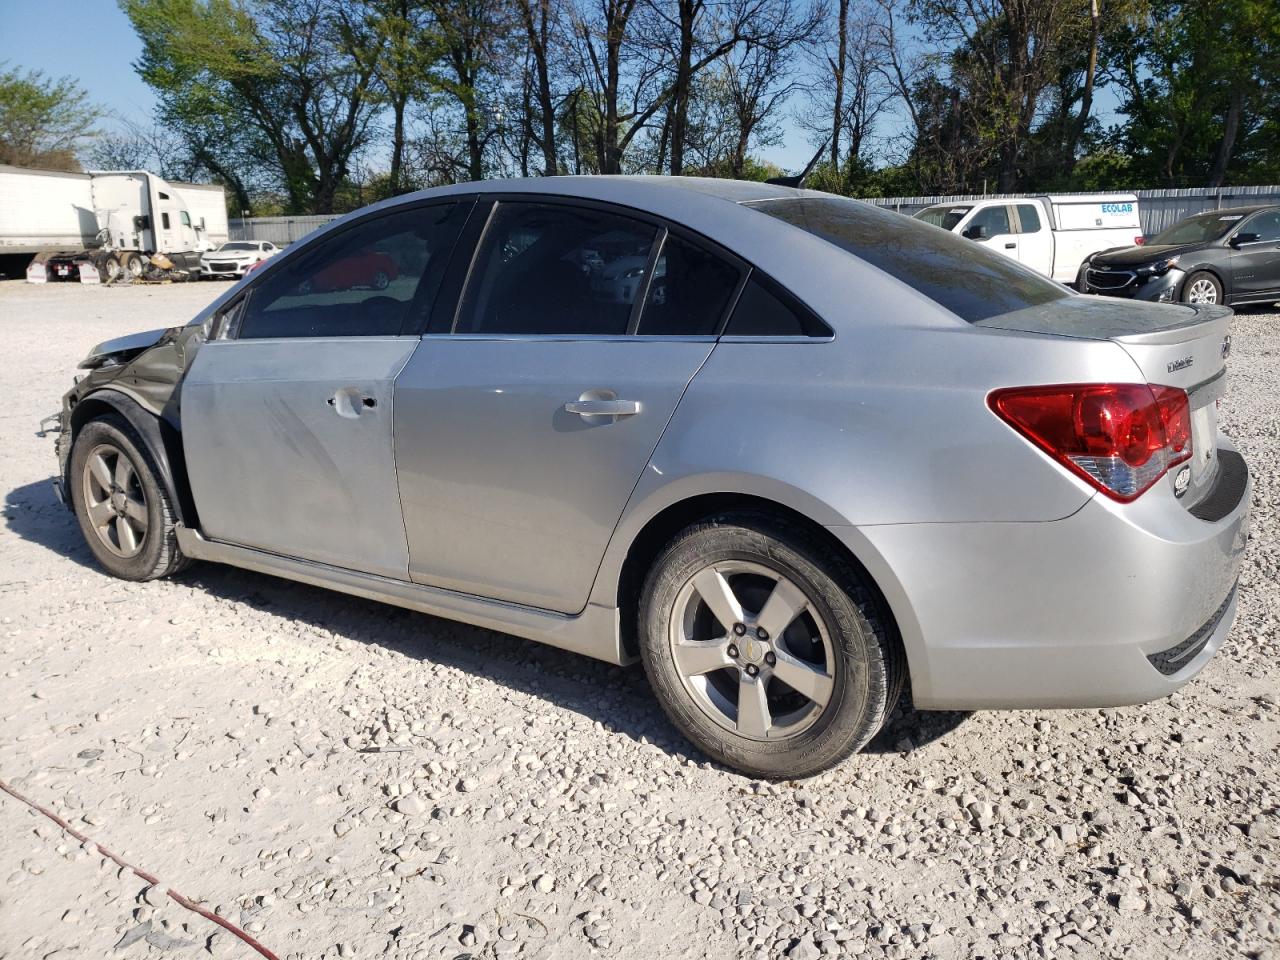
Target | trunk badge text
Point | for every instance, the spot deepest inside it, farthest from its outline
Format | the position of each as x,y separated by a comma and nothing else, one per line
1176,365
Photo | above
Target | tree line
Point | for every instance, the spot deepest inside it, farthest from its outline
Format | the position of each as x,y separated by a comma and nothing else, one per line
322,105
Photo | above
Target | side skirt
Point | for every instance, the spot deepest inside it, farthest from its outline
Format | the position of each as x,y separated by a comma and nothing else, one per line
594,632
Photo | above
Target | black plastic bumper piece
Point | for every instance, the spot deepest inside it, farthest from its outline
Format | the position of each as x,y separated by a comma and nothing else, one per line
1228,488
1174,659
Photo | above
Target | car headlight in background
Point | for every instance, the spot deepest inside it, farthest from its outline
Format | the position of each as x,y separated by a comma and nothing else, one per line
1160,267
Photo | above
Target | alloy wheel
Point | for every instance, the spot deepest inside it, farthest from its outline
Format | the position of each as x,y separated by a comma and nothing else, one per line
1202,291
115,500
752,650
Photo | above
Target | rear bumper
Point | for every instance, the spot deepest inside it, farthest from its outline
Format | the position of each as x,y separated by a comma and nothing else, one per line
1116,604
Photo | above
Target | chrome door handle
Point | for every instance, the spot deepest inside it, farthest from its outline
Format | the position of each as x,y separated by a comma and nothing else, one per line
603,408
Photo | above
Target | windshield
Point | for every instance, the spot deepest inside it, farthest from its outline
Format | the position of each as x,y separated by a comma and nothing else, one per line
1198,229
945,216
964,277
239,246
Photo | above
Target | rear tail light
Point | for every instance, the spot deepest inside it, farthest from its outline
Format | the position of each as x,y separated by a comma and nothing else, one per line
1139,241
1119,437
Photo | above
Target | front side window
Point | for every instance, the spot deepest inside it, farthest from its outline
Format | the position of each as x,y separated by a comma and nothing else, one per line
689,292
1029,218
1265,225
992,222
368,280
184,218
970,280
554,269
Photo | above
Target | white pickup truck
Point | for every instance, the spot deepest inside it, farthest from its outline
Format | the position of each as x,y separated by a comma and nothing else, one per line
1050,234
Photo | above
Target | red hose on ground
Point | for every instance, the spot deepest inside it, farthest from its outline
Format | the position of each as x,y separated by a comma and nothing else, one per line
173,894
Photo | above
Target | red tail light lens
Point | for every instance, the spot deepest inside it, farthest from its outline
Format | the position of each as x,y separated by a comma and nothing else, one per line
1120,437
1139,241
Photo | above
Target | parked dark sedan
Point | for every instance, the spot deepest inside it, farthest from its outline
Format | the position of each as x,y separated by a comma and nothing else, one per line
1224,256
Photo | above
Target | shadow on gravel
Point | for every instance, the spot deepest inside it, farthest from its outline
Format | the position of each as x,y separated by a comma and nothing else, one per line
617,698
34,513
910,729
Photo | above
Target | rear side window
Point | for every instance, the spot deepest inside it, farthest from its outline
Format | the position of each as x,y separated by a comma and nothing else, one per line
689,293
964,277
361,282
556,269
765,310
1028,218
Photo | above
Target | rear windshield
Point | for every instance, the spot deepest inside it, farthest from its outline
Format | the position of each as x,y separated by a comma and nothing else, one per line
971,281
944,217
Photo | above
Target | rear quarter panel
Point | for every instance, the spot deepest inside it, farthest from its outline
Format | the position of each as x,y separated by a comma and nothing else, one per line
883,425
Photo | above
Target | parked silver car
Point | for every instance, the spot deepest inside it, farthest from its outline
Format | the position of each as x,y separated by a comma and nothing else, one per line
817,451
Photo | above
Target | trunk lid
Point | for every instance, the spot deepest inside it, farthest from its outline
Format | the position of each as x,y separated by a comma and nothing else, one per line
1174,345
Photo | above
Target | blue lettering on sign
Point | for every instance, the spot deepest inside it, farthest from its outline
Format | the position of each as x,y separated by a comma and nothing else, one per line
1117,208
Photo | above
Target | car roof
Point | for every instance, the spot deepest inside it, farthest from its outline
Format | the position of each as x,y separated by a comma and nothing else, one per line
1235,211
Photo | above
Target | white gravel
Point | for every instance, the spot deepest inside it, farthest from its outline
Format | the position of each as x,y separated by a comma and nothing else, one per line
345,779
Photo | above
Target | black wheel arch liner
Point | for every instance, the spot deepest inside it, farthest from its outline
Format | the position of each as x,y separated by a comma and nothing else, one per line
162,439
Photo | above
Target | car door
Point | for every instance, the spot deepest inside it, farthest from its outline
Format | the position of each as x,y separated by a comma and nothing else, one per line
993,227
523,429
1255,263
287,419
1035,241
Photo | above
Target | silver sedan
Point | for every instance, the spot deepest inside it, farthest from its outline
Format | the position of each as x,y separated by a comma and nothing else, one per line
790,451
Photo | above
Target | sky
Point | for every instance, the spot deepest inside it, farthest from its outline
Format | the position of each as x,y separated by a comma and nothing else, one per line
93,41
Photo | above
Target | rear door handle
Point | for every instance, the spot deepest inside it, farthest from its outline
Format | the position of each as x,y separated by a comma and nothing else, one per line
603,408
1011,246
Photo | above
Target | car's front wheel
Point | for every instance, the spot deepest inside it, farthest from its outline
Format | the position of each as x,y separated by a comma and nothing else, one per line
125,515
1202,287
765,647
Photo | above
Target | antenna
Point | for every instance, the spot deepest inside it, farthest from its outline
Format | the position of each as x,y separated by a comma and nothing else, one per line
798,181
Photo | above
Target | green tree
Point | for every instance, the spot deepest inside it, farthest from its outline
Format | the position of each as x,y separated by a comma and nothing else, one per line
292,81
43,120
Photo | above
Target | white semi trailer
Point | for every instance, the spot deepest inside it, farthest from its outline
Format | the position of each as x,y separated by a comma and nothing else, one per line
74,225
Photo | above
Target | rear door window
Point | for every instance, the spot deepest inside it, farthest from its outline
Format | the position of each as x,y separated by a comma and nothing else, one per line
547,269
364,281
966,278
689,293
1028,218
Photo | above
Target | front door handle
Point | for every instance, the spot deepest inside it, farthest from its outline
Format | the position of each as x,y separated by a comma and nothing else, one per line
351,402
603,408
1011,246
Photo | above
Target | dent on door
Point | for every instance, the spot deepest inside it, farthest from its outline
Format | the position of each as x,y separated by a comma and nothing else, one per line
289,448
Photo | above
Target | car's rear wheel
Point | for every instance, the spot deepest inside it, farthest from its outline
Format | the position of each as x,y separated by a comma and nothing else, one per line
125,515
1202,287
765,647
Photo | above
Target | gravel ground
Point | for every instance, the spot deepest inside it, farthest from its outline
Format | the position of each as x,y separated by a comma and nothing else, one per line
345,779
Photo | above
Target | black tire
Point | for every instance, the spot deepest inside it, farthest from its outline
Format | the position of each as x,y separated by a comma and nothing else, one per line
869,668
1201,277
157,554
